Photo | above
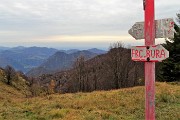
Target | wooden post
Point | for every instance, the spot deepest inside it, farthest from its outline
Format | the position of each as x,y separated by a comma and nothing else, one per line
149,66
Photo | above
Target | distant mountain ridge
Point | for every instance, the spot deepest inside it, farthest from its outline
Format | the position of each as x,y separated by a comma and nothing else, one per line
3,48
25,58
60,61
94,50
97,51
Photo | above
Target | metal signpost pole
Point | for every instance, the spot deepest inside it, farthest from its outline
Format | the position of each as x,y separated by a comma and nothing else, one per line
149,34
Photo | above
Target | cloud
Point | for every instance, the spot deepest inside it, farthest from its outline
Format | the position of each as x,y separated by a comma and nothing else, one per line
27,20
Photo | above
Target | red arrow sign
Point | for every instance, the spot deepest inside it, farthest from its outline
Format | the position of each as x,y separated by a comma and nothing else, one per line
154,53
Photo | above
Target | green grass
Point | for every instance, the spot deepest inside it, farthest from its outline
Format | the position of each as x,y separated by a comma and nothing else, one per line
123,104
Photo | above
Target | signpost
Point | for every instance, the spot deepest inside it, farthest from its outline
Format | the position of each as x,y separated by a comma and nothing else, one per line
150,53
149,33
164,29
155,53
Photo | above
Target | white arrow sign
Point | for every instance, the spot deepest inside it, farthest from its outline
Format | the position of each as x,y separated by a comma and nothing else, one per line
164,28
154,53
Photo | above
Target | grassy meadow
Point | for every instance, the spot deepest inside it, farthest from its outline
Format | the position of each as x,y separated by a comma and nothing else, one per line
122,104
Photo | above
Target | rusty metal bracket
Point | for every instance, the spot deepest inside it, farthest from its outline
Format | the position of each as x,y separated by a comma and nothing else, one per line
144,4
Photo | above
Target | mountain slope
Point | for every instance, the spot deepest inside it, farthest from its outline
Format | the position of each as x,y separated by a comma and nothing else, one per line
93,50
97,51
123,104
112,70
59,61
4,61
24,59
8,93
3,48
71,51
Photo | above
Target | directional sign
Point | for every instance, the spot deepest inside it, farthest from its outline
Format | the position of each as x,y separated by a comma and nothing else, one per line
164,28
154,53
137,30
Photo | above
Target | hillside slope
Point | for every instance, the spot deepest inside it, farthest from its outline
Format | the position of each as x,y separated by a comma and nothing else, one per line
10,102
123,104
58,62
8,93
112,70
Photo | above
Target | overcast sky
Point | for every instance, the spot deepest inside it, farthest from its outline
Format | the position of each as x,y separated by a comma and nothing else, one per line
75,23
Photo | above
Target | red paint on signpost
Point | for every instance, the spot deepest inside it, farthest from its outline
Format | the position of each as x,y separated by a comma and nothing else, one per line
149,34
153,53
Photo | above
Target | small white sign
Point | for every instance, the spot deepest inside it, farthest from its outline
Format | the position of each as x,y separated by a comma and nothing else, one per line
164,28
154,53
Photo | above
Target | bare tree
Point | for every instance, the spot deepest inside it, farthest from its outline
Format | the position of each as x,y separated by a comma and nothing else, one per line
79,68
51,86
117,54
10,74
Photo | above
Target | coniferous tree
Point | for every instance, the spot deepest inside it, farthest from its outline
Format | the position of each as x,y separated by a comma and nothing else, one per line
170,68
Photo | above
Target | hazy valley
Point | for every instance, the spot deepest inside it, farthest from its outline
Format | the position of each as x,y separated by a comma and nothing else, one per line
26,58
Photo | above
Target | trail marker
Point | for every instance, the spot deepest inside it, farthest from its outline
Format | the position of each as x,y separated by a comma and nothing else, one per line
164,28
150,53
155,53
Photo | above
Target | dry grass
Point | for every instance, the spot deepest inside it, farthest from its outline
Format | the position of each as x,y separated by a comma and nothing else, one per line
123,104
